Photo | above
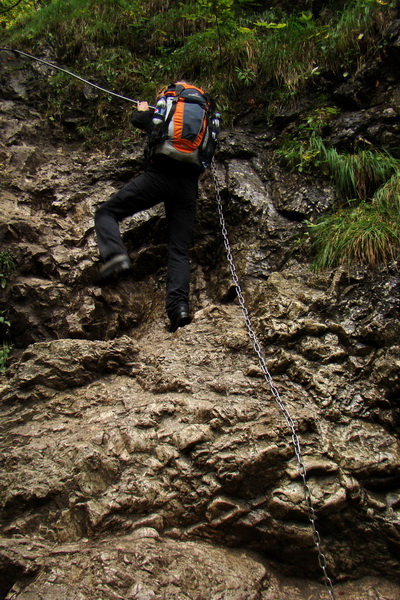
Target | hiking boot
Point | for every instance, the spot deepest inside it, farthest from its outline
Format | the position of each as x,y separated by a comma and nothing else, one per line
180,317
116,265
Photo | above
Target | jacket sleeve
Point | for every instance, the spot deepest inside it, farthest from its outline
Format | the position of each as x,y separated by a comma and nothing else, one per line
142,119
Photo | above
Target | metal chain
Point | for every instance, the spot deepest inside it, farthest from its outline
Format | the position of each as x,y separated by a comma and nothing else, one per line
274,390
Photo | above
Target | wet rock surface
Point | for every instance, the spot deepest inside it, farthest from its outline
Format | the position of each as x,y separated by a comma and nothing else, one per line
139,464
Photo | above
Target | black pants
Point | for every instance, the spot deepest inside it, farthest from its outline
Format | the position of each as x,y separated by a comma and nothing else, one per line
179,194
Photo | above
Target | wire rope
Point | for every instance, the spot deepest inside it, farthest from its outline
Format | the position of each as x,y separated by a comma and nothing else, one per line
53,66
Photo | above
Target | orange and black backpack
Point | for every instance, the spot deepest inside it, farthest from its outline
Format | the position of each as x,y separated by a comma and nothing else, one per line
185,126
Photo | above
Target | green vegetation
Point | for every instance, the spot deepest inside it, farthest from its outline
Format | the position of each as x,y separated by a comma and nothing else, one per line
364,233
226,45
366,227
356,175
246,53
302,147
7,266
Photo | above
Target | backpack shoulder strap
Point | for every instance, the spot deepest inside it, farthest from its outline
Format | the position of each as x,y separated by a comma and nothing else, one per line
174,90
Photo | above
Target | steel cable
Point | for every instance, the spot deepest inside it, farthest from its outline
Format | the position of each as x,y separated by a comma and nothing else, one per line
49,64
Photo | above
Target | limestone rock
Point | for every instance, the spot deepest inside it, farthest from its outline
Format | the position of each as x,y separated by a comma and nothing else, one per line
139,464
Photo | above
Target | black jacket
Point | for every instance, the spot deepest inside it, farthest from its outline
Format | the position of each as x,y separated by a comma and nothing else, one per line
142,119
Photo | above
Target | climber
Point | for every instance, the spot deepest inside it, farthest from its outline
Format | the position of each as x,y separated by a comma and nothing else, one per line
182,135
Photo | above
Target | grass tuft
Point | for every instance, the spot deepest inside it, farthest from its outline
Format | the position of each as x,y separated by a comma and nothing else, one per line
366,234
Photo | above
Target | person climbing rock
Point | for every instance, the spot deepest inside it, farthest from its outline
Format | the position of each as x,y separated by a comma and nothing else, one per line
182,136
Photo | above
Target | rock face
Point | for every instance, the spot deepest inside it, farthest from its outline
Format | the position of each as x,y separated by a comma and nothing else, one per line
139,464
